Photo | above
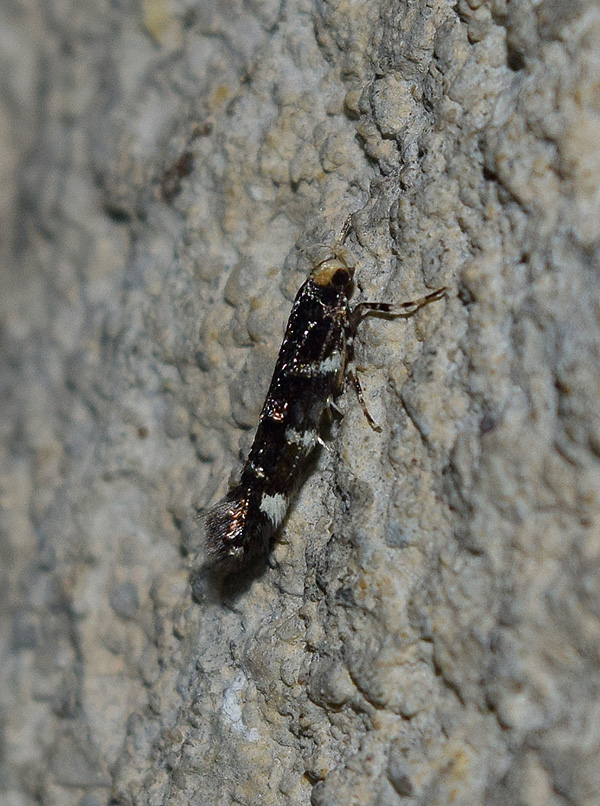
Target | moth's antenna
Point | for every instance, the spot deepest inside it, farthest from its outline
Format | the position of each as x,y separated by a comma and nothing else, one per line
345,230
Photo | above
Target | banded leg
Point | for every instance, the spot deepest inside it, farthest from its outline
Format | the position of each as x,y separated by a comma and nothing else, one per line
405,310
361,400
351,371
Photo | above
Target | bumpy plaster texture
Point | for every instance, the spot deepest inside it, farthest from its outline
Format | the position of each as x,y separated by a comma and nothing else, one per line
428,627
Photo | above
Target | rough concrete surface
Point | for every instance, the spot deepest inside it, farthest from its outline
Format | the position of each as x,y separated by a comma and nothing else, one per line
427,629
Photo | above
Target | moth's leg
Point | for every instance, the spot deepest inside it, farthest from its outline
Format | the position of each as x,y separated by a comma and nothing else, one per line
334,409
322,443
333,412
353,318
350,330
405,310
359,394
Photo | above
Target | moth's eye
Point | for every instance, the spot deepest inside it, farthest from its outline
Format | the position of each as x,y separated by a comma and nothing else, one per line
341,278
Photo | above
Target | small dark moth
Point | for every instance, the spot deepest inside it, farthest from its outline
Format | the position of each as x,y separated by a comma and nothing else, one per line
315,357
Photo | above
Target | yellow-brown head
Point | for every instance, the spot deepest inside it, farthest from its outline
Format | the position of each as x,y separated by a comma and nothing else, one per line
335,269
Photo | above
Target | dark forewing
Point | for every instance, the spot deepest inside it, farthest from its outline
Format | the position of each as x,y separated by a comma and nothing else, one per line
307,375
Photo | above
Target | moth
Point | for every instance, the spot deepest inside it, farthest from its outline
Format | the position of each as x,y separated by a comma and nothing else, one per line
315,358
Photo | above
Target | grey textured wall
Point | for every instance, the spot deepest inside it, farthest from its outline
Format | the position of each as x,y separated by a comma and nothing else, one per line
428,627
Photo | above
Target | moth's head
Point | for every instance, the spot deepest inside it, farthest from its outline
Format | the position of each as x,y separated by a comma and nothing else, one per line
335,269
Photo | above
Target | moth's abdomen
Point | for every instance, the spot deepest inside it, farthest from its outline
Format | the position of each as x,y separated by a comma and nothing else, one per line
241,525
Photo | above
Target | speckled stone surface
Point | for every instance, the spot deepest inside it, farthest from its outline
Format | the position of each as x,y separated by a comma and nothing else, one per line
427,630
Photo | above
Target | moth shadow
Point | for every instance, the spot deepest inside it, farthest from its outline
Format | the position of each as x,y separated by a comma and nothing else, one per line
211,583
